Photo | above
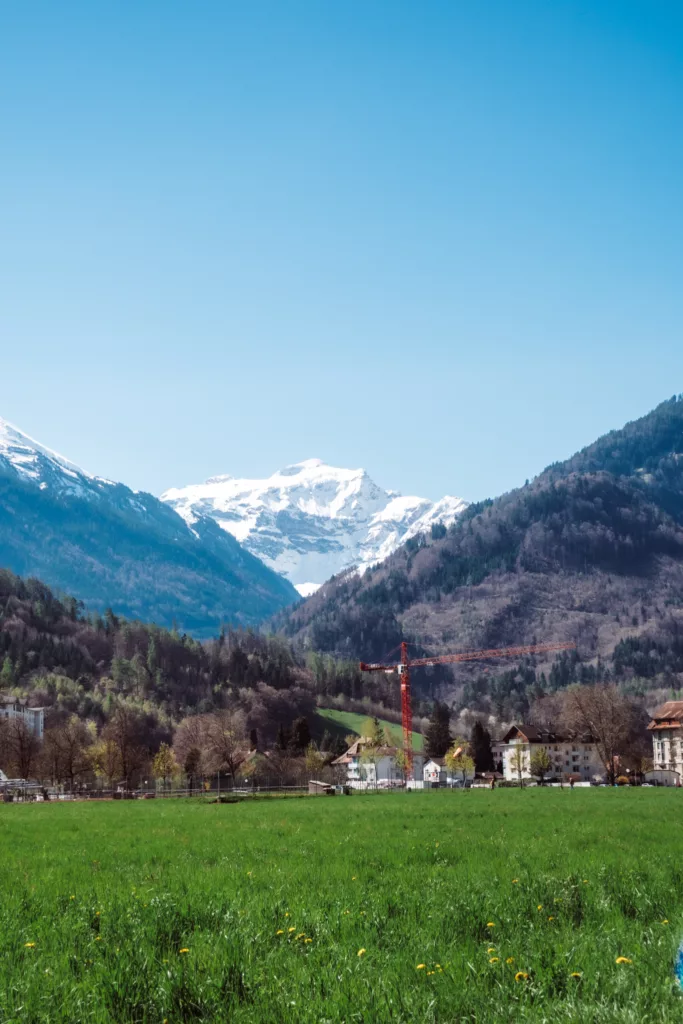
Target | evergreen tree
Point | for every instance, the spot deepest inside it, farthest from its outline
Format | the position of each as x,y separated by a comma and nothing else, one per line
480,744
253,740
7,673
374,733
438,737
301,735
283,737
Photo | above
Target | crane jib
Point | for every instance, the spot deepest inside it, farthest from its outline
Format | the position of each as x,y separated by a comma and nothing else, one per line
406,663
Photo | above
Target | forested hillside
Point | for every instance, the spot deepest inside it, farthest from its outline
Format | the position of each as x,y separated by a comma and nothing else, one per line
103,670
590,551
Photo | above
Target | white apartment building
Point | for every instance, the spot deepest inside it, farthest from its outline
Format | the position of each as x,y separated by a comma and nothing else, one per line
667,737
568,755
381,770
12,708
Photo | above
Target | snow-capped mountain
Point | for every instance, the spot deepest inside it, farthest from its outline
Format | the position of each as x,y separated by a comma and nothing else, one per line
311,521
39,465
114,547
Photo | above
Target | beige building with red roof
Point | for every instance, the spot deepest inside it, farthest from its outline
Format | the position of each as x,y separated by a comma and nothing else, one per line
667,737
569,755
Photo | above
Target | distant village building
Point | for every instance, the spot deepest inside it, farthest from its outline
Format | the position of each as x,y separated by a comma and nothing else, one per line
435,771
667,737
568,755
13,708
366,766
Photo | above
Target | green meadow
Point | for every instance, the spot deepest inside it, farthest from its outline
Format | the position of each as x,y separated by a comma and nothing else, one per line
477,906
350,722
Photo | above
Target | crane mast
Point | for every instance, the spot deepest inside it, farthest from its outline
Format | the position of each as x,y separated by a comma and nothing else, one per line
405,664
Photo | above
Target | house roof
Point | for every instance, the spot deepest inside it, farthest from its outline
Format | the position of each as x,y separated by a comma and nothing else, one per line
532,734
435,760
356,750
667,716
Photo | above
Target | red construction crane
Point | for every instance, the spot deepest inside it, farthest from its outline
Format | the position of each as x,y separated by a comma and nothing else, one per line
404,666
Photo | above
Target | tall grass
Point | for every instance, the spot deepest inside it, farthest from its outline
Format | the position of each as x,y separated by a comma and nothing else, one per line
518,904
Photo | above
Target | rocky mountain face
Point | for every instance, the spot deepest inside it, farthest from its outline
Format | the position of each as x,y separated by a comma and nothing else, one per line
311,521
589,551
114,547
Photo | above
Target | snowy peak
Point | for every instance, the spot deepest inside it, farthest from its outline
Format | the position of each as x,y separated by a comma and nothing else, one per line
38,464
310,521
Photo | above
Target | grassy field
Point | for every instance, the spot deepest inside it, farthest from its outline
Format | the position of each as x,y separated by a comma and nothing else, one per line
438,907
351,722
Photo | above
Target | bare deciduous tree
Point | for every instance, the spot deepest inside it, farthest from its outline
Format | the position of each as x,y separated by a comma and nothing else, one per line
125,730
604,713
228,744
65,750
23,748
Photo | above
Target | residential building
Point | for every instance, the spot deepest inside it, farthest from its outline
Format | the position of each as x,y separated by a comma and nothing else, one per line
435,771
366,766
568,755
667,737
13,708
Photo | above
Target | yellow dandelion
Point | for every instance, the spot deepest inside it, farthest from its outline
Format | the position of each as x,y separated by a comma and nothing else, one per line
491,949
539,907
72,897
551,918
97,913
575,974
494,960
437,967
301,935
361,952
184,950
521,976
515,881
420,967
665,921
98,938
280,931
490,924
291,929
308,940
29,945
429,972
585,881
510,960
347,911
623,960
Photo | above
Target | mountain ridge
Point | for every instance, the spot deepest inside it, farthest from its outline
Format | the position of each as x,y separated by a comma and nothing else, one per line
310,521
582,553
112,546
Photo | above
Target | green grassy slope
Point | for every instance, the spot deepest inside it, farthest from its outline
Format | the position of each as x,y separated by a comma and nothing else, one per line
348,721
438,906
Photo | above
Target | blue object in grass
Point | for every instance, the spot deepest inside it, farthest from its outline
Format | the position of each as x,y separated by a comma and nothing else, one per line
679,965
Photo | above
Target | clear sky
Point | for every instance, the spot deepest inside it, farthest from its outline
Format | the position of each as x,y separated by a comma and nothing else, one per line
440,240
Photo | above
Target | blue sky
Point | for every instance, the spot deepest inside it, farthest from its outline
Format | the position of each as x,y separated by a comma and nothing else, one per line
440,240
